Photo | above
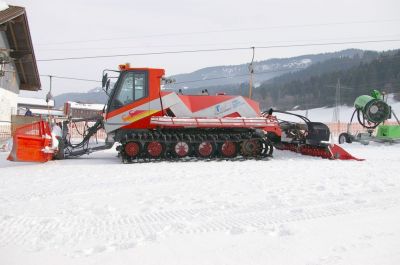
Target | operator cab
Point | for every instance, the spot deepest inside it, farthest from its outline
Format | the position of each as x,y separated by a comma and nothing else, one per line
132,85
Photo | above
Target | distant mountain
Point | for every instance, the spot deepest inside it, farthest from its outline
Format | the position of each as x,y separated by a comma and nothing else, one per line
95,95
266,70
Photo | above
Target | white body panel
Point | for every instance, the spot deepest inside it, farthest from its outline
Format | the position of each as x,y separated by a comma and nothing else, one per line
180,109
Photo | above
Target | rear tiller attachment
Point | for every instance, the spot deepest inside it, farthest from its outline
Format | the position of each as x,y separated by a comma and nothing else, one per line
308,138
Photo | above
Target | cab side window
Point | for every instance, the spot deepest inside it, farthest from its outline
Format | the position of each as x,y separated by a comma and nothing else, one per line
132,86
125,95
140,86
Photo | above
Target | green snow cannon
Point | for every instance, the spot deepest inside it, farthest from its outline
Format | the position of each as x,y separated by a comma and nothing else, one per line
372,111
373,108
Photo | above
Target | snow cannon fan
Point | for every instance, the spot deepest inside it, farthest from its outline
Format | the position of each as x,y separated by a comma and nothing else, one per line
372,111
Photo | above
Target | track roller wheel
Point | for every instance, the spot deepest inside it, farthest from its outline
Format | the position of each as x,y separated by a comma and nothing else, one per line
205,149
181,149
154,149
228,149
251,147
132,149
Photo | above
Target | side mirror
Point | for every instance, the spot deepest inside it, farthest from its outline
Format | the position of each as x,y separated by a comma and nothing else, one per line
104,80
107,85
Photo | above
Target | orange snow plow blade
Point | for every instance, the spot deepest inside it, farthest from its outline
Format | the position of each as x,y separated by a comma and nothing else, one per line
339,153
32,143
330,151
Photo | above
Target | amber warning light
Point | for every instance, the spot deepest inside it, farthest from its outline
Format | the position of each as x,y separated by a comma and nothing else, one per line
124,66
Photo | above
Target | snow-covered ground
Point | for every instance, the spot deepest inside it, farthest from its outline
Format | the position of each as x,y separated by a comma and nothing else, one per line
290,209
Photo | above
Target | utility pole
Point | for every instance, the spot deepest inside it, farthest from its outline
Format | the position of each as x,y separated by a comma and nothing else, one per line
49,96
336,111
251,70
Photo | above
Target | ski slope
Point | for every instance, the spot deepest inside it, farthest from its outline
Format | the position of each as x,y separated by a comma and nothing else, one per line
290,209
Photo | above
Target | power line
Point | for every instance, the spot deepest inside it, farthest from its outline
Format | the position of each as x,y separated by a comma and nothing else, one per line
215,50
298,68
326,44
140,54
239,75
72,78
370,84
189,81
222,31
205,44
223,77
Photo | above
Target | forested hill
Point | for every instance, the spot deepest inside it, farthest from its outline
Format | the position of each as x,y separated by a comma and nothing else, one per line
316,85
266,69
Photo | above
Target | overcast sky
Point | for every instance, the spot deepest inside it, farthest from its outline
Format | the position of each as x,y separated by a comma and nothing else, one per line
62,28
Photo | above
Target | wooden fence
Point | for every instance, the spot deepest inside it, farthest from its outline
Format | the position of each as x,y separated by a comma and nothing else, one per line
338,128
5,132
76,129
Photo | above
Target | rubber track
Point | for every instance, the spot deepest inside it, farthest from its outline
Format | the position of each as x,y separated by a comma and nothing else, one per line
193,137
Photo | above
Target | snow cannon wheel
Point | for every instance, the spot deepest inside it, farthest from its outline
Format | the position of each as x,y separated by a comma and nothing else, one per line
344,138
181,149
229,149
205,149
132,149
155,149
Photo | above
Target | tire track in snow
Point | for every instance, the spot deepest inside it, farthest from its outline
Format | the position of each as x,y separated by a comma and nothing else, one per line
36,233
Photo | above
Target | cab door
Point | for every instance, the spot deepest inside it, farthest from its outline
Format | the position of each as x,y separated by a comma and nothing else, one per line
129,101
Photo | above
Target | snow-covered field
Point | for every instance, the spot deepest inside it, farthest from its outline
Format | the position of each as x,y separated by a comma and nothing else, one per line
290,209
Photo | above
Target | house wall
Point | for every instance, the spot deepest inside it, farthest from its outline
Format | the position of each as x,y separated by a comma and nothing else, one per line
8,105
9,87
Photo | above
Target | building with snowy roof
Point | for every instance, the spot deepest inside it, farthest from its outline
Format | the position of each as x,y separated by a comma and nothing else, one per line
82,110
18,69
38,107
34,103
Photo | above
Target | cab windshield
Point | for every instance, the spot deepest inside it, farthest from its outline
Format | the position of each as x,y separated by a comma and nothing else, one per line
131,87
